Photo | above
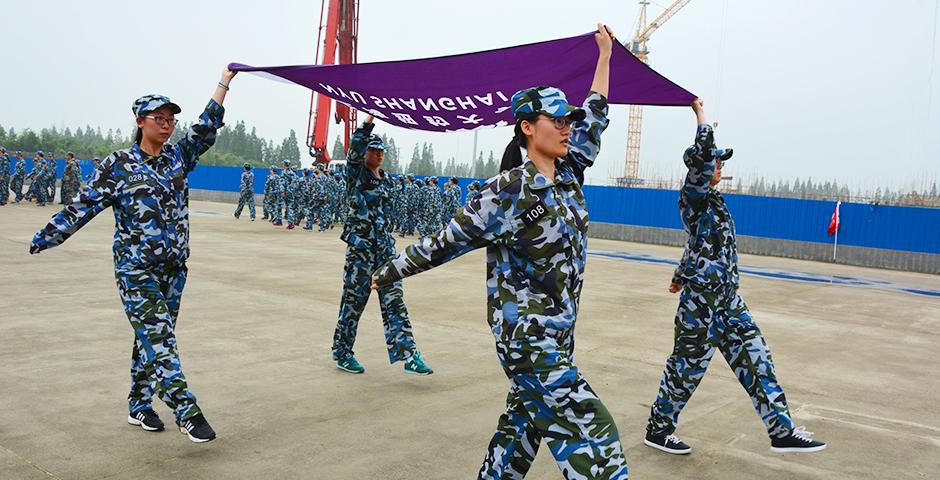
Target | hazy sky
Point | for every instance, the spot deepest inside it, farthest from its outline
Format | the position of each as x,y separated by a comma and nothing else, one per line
835,89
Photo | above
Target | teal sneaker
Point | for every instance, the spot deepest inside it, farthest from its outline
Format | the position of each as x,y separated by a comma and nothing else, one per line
349,364
416,366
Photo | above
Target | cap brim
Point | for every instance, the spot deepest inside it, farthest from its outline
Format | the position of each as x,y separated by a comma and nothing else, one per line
576,114
726,154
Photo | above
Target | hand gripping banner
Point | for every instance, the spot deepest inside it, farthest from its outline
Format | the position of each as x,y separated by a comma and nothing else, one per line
472,90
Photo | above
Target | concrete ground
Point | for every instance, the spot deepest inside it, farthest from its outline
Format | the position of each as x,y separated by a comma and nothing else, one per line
859,366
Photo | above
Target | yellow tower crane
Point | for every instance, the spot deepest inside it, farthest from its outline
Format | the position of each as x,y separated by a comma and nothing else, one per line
631,170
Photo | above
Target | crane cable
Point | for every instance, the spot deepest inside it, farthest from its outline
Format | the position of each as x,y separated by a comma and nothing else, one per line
721,59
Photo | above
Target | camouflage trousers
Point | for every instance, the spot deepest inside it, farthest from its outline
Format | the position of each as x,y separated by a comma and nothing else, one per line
706,321
246,198
410,222
357,286
280,207
325,216
16,184
267,207
151,302
4,189
50,186
549,398
67,193
37,191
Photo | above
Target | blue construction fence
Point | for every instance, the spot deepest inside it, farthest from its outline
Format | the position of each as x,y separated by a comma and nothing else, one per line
911,229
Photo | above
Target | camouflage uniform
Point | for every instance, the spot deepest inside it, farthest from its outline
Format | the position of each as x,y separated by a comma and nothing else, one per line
310,196
430,210
452,196
369,245
410,203
4,178
270,195
711,314
16,180
534,230
342,203
247,194
50,178
280,203
71,181
150,197
37,185
473,191
329,192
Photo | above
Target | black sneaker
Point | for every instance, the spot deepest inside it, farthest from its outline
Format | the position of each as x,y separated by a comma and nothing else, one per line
667,443
146,419
798,440
197,429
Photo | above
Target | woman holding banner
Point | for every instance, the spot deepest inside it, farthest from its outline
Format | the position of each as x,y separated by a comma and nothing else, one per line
147,187
532,219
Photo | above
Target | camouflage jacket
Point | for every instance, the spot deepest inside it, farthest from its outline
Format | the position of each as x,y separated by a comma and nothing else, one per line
271,185
4,166
288,180
150,196
38,173
370,198
72,176
19,168
247,183
535,233
710,258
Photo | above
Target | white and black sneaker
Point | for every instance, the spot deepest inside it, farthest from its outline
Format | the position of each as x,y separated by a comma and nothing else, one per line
667,443
146,419
197,429
798,440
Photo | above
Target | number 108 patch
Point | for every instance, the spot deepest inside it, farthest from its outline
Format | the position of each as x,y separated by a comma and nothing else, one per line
534,214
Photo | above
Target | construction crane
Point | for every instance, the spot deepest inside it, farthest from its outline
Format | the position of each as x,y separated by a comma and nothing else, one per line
340,43
637,46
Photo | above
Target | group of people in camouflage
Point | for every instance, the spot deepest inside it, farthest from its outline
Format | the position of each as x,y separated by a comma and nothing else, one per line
531,218
305,197
41,177
421,206
315,196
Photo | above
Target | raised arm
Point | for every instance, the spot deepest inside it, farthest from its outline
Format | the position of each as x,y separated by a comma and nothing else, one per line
359,143
585,138
201,135
699,158
605,40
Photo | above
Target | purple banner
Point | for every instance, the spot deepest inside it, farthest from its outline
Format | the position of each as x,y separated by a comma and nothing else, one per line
472,90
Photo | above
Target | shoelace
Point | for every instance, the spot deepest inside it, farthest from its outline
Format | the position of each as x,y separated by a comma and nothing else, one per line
673,439
802,434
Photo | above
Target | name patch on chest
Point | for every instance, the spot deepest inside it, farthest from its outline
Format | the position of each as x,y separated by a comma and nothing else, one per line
534,214
136,178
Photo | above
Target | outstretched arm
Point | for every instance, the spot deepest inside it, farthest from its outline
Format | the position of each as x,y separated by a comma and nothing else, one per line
605,40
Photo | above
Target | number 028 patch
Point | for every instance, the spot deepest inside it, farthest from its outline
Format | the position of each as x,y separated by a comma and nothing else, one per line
534,214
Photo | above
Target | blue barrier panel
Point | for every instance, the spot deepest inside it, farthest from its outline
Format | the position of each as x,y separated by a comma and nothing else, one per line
912,229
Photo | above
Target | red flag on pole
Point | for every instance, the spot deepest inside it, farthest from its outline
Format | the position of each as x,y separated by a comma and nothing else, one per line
835,221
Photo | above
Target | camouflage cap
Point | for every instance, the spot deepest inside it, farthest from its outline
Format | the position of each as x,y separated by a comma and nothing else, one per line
247,165
3,149
151,102
545,100
376,143
40,154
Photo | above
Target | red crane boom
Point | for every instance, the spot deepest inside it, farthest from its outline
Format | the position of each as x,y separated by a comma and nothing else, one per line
342,33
